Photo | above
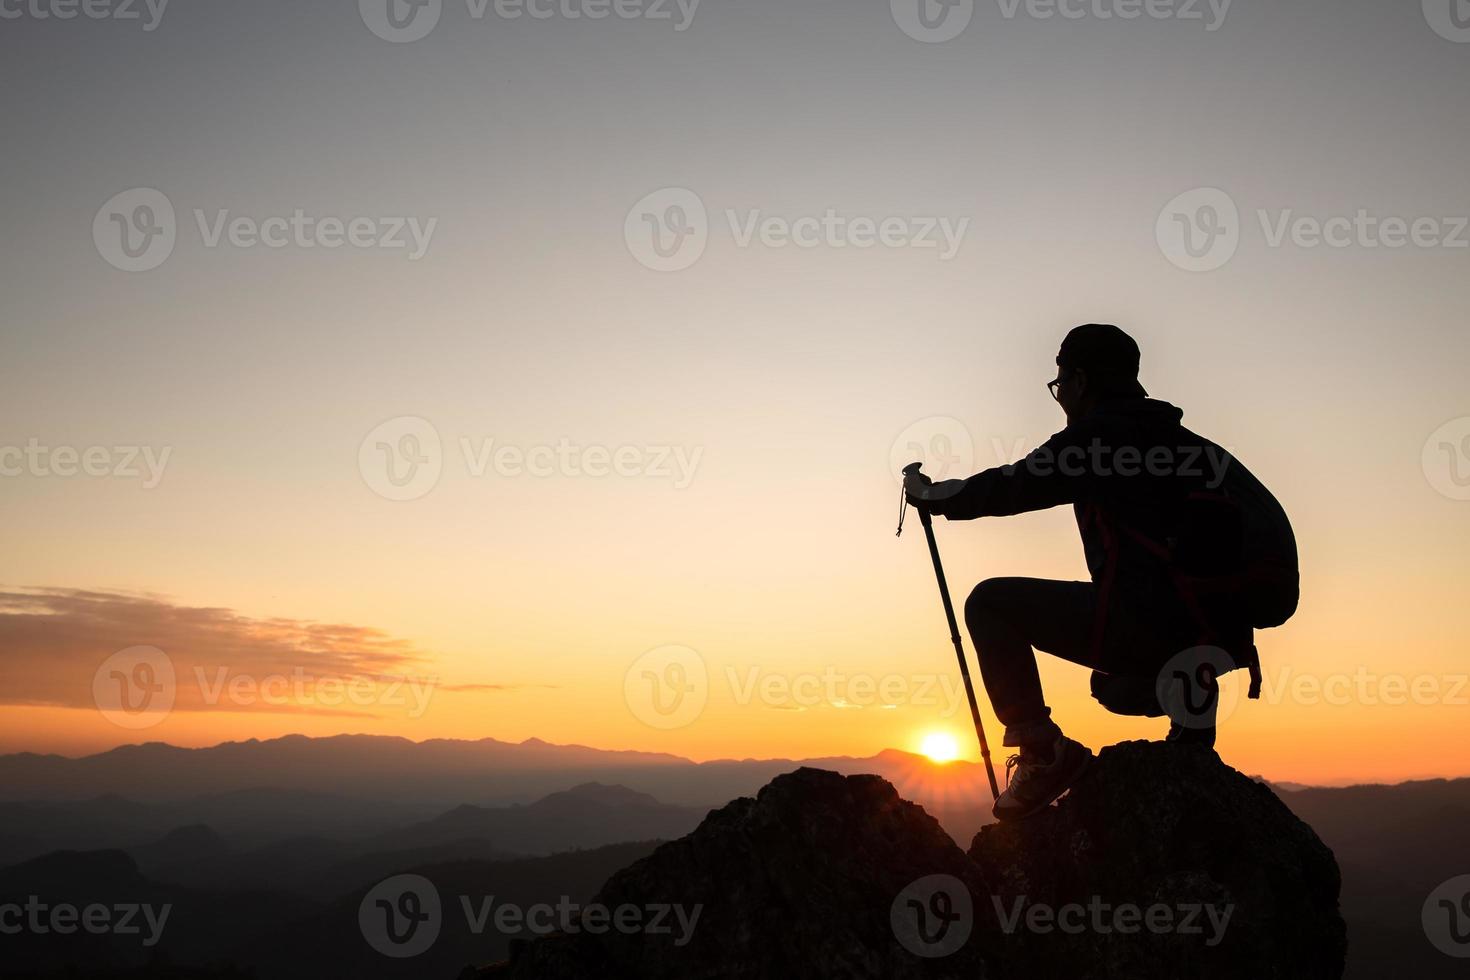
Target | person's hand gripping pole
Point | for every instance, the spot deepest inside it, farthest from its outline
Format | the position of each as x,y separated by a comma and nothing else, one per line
917,490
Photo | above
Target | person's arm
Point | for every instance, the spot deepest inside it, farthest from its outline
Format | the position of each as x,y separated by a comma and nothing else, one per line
1054,473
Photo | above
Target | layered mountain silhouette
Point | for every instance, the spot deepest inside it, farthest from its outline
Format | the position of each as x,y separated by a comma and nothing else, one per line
582,818
271,877
439,773
1162,862
224,930
150,925
588,815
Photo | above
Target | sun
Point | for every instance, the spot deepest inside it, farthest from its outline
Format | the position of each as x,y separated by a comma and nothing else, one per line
940,746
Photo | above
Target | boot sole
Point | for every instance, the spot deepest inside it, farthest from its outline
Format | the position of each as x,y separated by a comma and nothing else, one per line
1083,761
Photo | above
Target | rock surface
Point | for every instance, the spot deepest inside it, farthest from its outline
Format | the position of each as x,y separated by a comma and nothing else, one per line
1235,884
798,882
823,875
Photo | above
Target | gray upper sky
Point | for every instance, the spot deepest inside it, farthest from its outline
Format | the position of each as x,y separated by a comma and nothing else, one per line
1067,158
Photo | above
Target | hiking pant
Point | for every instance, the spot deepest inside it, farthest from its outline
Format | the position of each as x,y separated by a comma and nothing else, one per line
1007,617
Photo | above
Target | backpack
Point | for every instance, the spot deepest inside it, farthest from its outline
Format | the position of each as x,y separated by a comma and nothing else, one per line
1236,541
1233,560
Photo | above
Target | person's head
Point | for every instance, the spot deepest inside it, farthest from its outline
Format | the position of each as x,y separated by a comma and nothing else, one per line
1097,361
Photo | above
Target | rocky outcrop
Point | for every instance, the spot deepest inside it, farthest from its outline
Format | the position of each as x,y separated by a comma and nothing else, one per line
1161,863
799,882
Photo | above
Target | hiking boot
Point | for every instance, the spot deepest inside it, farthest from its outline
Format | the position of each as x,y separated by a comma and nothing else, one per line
1183,735
1040,777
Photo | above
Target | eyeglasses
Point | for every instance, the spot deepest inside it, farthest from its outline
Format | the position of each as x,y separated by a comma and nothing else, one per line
1052,386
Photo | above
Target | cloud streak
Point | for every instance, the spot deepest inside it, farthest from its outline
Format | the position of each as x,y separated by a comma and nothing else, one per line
52,642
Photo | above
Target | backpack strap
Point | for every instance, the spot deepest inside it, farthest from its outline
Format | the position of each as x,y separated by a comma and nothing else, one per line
1092,515
1192,589
1254,666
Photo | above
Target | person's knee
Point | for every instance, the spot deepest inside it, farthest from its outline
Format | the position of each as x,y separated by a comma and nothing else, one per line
986,607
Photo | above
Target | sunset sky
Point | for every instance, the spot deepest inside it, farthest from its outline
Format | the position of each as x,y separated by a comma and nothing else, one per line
765,395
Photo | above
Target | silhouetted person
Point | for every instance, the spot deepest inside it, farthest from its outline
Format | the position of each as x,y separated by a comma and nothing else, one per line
1184,546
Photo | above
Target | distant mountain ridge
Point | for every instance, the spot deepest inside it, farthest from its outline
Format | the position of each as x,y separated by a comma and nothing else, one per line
272,851
442,772
585,816
271,933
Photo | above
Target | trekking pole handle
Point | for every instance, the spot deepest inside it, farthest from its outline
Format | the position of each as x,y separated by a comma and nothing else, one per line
909,472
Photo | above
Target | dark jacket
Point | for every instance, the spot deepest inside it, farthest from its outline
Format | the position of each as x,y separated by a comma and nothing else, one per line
1141,486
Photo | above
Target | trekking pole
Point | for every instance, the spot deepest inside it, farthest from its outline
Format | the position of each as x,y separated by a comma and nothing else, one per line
954,629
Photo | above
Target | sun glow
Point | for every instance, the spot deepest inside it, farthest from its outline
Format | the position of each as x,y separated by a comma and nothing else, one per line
940,746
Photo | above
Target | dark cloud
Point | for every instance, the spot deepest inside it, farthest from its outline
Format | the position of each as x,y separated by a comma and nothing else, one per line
53,641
